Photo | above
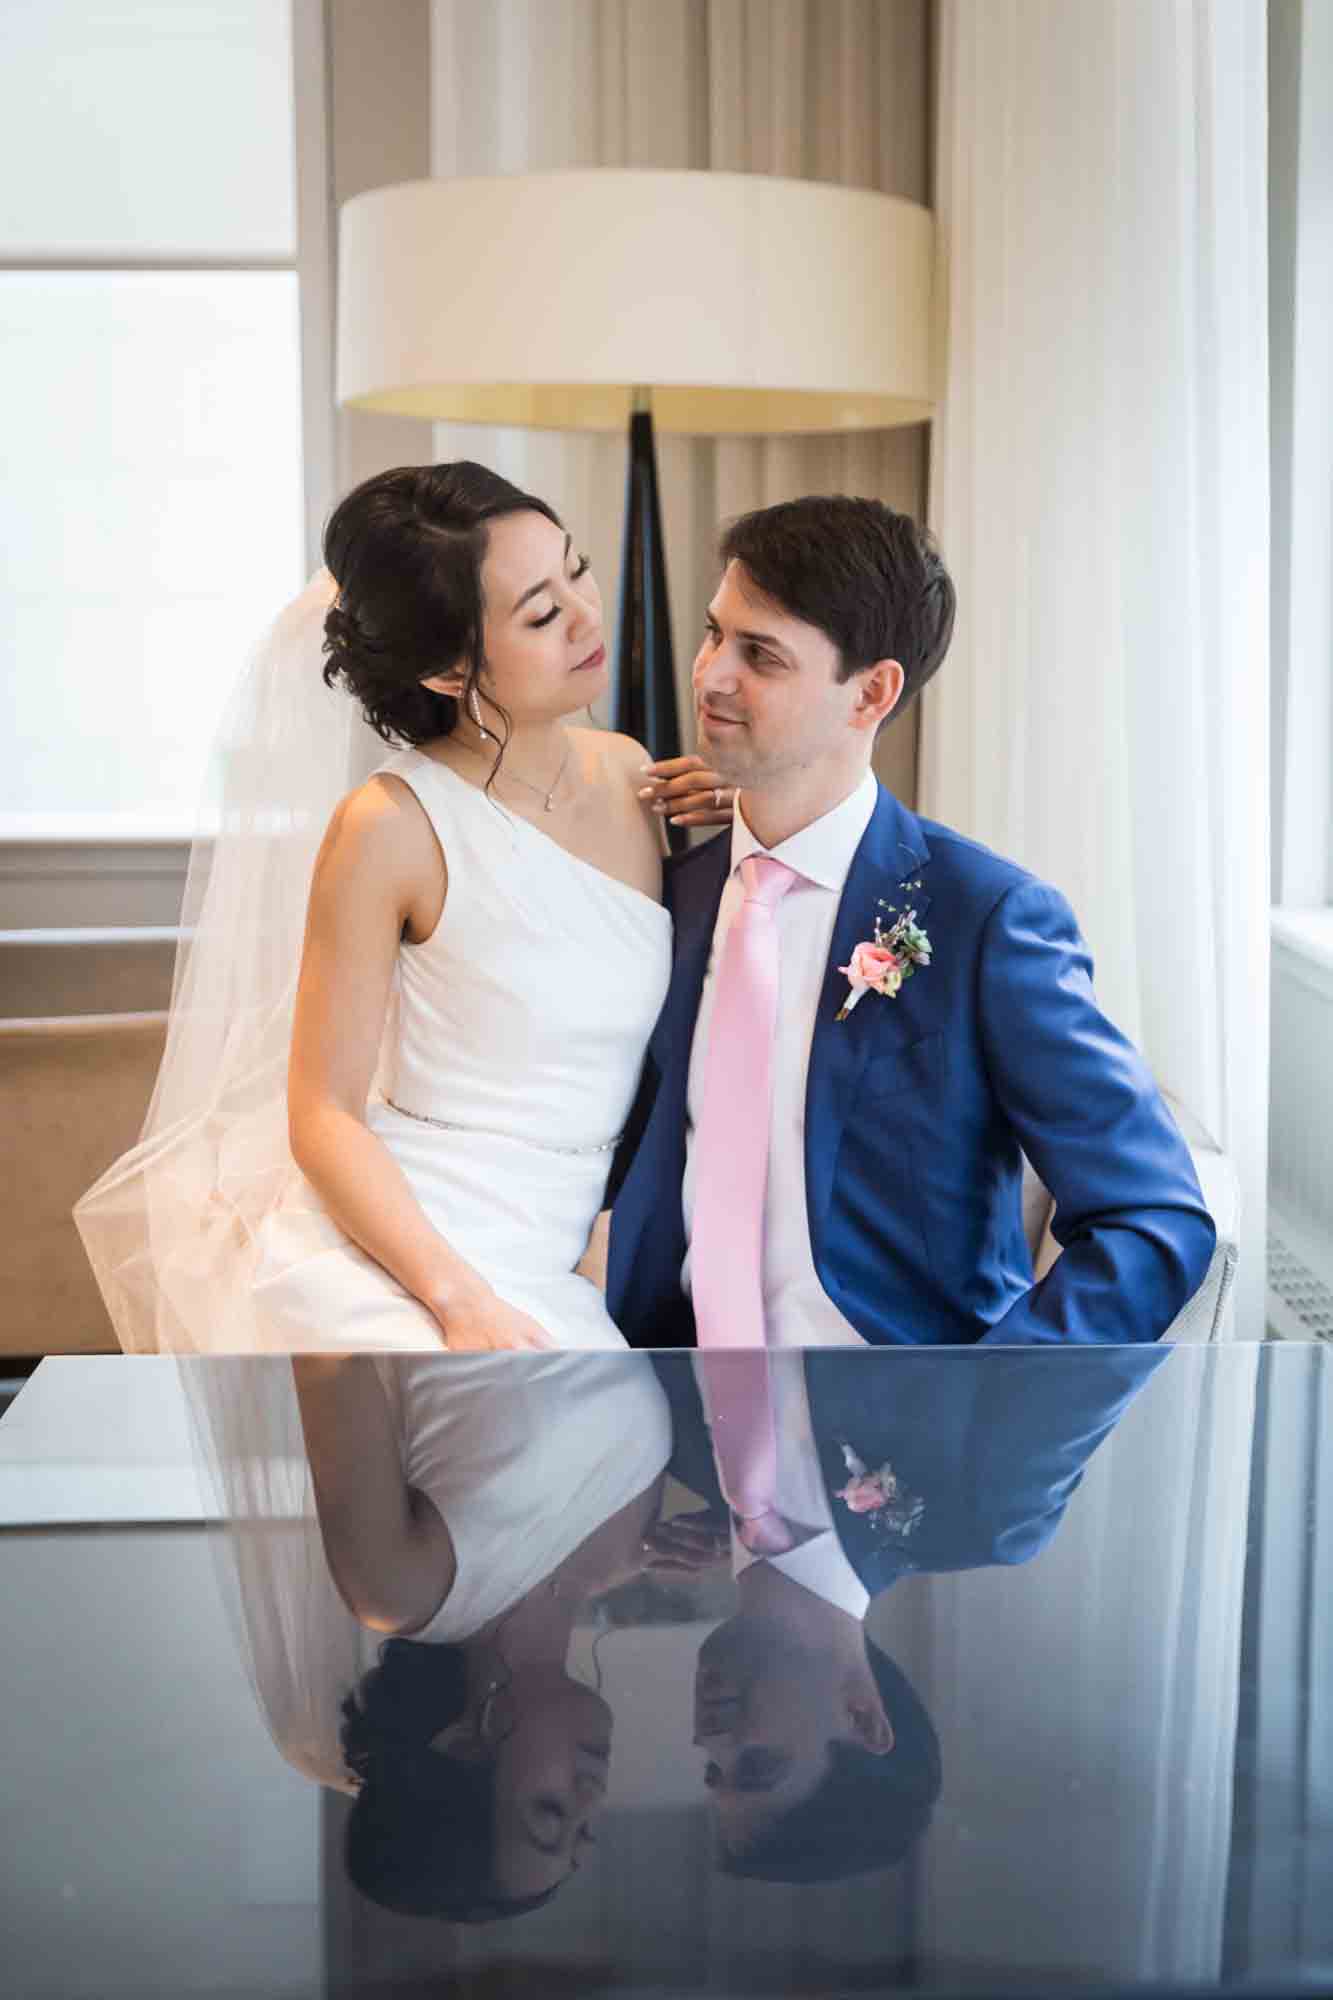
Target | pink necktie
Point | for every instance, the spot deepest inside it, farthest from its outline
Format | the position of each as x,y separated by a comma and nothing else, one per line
727,1233
740,1414
731,1143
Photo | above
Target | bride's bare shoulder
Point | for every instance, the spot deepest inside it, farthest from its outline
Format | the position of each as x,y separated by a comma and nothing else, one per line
625,749
619,758
381,825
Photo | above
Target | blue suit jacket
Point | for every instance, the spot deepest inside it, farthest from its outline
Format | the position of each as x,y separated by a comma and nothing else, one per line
917,1111
993,1445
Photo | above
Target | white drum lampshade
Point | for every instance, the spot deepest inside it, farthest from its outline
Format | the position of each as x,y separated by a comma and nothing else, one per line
746,303
710,304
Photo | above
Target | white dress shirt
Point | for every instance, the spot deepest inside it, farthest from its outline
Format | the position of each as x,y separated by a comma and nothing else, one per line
819,1564
797,1310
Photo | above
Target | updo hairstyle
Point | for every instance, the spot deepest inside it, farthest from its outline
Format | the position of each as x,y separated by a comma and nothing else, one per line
421,1836
406,550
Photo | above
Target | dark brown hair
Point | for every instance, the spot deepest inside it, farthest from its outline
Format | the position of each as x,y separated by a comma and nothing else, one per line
871,580
421,1836
406,550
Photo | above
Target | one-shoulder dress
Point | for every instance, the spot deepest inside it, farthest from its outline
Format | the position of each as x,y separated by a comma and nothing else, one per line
511,1064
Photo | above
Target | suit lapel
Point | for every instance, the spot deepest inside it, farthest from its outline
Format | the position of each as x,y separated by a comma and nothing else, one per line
877,1561
697,893
892,852
913,1410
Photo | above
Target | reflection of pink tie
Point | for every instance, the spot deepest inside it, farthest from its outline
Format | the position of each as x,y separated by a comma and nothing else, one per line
740,1413
731,1143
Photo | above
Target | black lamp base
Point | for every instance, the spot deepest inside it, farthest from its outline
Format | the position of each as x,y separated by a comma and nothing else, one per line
643,699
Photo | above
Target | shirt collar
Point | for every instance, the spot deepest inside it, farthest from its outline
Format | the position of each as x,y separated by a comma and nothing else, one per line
819,1566
821,852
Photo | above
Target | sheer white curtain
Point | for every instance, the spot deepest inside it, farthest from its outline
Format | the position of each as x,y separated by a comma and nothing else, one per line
1099,486
1283,1919
1301,323
835,91
1300,56
1106,1670
301,1648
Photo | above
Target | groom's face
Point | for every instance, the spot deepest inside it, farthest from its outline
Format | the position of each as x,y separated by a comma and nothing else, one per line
767,696
765,1712
767,1707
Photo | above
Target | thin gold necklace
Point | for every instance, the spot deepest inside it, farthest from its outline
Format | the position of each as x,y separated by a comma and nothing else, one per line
502,771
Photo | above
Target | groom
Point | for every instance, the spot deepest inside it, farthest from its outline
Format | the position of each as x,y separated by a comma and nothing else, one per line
871,1018
822,1758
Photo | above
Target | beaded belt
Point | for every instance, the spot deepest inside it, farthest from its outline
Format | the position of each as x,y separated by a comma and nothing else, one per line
482,1132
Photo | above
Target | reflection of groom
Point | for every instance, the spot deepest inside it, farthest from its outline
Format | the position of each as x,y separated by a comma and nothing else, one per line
799,1175
822,1761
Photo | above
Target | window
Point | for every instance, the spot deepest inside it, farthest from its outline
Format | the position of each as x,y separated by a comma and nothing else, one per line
150,378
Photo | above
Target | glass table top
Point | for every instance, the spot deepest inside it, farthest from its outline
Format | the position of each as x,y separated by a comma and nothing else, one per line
477,1676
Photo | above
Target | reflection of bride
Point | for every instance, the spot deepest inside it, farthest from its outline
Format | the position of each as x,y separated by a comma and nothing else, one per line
468,1507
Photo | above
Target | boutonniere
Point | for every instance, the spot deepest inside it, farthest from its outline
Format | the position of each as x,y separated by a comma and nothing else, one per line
882,964
880,1495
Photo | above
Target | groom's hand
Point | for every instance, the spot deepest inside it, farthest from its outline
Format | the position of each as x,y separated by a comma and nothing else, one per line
688,1541
685,791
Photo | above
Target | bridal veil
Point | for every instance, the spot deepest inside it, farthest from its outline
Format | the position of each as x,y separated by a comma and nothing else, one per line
170,1228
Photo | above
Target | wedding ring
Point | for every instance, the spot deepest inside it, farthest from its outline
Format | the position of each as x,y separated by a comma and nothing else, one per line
717,797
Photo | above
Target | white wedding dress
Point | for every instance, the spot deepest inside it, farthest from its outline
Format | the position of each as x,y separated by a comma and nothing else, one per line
510,1067
524,1456
523,1462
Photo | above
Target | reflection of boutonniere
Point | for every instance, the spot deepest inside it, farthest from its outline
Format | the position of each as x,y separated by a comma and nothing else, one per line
880,1495
881,965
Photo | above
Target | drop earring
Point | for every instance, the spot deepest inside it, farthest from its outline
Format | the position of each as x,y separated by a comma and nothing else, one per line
484,1713
474,707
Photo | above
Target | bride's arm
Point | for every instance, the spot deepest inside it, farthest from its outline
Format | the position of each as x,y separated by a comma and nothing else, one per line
592,1264
377,865
388,1550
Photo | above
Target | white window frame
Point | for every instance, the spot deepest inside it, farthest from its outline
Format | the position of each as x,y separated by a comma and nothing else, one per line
121,878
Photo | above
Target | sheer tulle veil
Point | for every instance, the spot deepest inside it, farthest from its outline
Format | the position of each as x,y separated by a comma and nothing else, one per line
301,1648
170,1228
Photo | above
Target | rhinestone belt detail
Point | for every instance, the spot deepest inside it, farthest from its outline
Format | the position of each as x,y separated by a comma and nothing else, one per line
482,1132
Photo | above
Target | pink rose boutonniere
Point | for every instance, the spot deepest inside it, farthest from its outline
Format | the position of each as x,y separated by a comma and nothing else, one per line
880,1494
880,965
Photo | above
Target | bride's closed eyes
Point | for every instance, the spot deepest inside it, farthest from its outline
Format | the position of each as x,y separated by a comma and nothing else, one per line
535,624
548,1822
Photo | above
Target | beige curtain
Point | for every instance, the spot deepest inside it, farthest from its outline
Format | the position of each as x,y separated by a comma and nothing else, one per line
830,90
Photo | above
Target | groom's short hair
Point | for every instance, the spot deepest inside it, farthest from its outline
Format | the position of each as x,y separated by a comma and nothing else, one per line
871,580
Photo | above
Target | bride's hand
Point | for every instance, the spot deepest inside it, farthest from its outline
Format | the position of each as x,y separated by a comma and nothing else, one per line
486,1324
687,792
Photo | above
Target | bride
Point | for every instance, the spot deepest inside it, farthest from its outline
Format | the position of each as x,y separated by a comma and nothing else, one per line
406,1146
417,1550
471,1512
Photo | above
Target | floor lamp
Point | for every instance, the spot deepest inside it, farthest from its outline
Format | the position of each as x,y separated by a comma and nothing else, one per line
710,304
